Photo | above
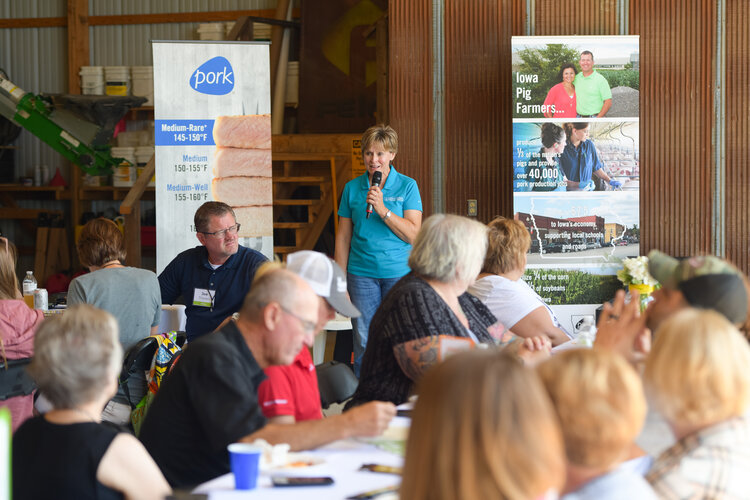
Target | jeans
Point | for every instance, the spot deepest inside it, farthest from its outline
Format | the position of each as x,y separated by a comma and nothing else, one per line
366,295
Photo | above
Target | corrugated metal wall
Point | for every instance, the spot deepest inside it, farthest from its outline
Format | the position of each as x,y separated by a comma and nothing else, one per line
576,17
677,106
410,83
738,133
677,119
477,106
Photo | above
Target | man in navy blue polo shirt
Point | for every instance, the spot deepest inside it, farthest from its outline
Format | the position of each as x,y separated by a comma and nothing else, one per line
214,277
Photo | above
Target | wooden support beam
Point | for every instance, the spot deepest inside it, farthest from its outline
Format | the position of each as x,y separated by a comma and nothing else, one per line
164,18
133,236
78,42
133,198
276,34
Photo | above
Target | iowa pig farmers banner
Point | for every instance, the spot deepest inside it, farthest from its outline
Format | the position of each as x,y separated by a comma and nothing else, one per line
213,140
576,165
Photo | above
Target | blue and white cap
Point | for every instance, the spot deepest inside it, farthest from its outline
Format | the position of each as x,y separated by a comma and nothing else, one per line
325,277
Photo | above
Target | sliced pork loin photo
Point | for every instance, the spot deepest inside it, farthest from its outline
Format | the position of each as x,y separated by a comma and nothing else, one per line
247,132
233,162
242,191
255,220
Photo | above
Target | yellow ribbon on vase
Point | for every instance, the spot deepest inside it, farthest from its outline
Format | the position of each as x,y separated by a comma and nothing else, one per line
644,290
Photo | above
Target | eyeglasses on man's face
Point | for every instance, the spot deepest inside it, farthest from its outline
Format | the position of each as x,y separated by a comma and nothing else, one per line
221,234
307,325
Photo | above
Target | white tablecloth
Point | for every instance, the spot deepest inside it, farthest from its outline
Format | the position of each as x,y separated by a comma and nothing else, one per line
342,461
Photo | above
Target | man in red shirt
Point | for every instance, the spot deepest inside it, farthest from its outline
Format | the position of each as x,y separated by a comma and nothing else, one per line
290,393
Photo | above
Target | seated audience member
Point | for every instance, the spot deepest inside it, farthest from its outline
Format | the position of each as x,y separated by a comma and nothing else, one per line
500,287
698,377
212,278
129,294
210,399
599,399
702,282
482,428
18,323
429,309
68,452
290,393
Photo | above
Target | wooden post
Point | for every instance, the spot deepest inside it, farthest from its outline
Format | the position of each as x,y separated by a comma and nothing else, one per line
276,34
381,55
78,42
78,55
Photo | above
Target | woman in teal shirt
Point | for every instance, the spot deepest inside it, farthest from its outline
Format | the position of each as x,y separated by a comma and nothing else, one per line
374,250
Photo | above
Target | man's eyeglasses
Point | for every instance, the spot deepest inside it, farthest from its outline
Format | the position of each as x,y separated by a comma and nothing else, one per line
307,325
220,234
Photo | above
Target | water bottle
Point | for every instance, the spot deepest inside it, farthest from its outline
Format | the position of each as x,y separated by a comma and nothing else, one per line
587,332
29,285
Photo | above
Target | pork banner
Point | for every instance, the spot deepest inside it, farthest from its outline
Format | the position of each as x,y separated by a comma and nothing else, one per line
213,140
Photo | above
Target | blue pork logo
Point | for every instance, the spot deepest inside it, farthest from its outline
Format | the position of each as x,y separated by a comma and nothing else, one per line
214,77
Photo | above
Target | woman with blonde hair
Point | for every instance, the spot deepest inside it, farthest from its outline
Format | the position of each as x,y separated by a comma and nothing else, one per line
130,294
482,428
67,452
698,377
501,288
17,326
599,400
377,226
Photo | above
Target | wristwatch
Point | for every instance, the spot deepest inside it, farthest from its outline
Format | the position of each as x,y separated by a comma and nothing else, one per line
387,214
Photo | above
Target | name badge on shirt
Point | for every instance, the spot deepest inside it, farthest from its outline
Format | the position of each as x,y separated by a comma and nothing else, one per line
203,297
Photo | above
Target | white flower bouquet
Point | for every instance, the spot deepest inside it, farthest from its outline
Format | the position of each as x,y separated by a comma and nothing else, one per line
634,274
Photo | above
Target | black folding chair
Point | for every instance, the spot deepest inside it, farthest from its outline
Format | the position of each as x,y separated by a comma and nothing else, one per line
139,358
336,382
14,379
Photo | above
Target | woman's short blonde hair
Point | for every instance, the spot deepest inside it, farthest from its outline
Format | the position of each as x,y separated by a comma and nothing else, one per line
8,279
382,134
448,248
599,399
100,241
482,427
76,355
698,371
508,242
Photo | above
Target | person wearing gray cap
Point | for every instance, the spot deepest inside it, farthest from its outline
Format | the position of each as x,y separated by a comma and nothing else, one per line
700,282
703,282
290,393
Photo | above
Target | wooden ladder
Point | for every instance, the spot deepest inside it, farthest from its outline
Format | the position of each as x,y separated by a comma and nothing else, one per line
318,173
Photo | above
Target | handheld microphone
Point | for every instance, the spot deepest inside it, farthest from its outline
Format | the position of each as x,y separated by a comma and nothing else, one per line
376,177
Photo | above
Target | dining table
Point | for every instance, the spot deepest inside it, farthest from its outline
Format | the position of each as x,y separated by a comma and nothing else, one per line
341,460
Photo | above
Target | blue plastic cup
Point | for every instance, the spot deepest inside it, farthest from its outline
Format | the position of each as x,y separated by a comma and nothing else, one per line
245,462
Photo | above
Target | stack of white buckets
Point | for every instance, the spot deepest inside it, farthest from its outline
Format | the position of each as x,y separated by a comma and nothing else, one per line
116,80
125,174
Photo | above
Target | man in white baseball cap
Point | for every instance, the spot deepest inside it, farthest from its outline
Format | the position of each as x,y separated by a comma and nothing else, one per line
290,393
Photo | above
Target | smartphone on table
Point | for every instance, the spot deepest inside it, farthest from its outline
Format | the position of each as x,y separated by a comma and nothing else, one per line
301,481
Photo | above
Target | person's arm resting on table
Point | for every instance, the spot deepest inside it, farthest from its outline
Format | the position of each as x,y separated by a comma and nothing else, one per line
538,322
368,420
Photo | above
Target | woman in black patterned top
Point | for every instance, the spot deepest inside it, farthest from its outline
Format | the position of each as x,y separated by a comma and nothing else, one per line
428,312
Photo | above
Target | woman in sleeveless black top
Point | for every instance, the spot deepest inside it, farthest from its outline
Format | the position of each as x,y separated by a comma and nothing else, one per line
67,453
